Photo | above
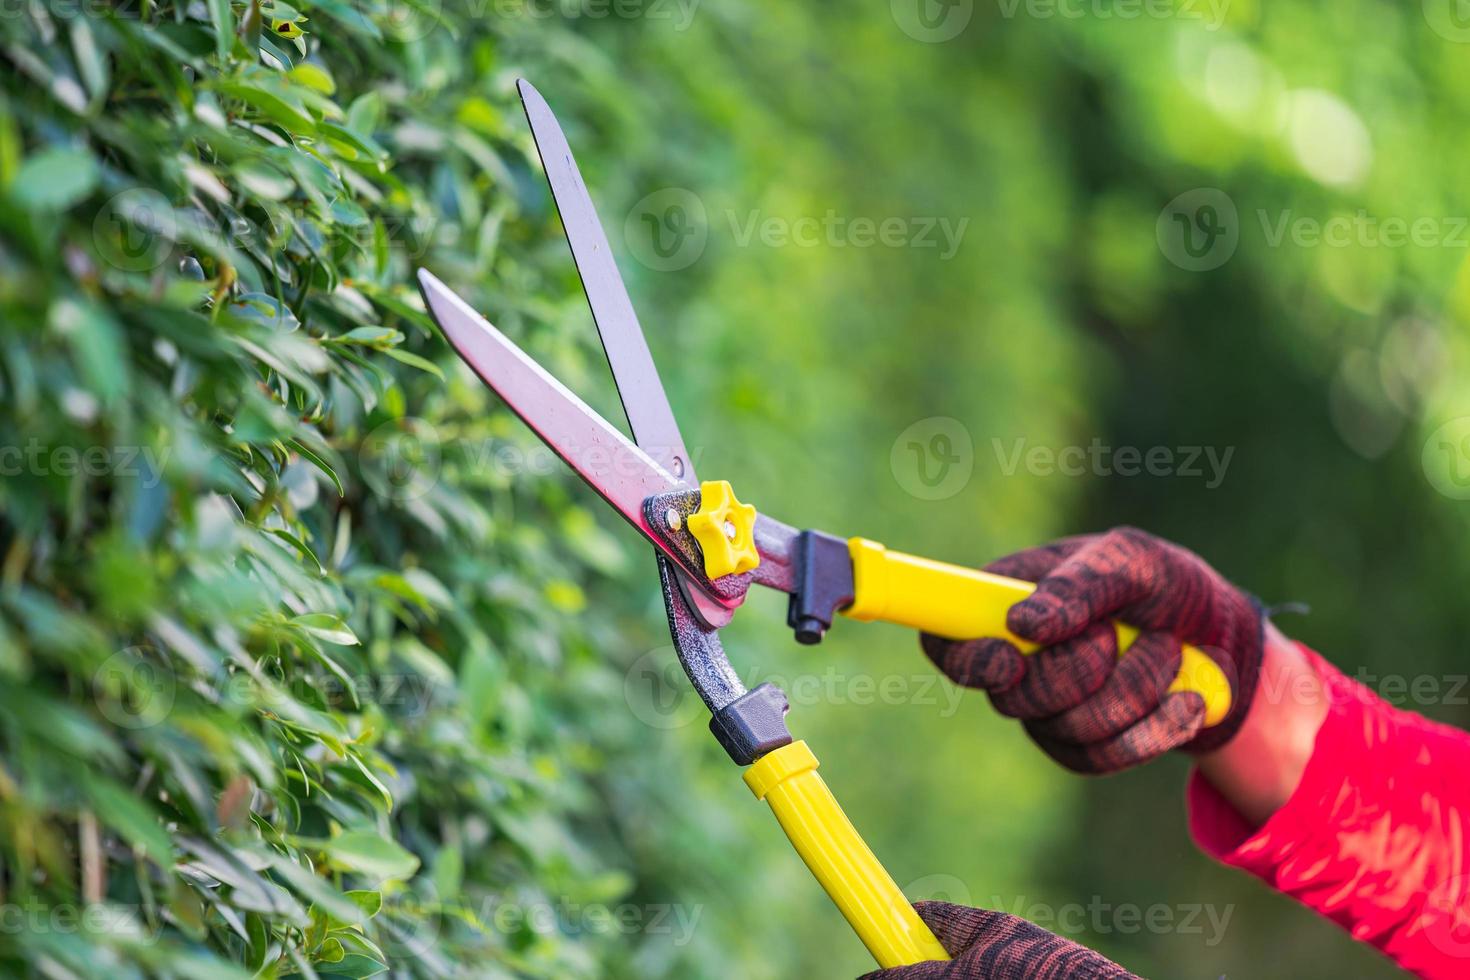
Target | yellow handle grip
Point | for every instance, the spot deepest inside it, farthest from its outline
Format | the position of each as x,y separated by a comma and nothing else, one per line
844,866
963,603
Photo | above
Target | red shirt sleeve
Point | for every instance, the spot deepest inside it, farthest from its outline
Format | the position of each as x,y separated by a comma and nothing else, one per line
1374,837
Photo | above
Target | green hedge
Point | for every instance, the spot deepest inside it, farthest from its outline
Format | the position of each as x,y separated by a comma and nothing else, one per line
300,672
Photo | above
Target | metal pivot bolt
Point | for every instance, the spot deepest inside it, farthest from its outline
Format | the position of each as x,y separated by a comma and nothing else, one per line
725,530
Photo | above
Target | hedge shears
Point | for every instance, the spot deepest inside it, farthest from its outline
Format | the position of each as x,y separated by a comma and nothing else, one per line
711,548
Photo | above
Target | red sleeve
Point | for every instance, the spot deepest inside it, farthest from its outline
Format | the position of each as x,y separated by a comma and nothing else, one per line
1374,837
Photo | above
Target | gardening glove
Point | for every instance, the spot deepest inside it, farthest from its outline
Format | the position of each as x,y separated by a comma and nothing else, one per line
1089,709
998,946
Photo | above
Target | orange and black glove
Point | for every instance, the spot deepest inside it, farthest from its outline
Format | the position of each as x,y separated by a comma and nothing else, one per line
1089,709
997,946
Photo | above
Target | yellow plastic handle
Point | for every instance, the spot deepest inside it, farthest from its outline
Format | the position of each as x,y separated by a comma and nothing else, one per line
844,866
963,603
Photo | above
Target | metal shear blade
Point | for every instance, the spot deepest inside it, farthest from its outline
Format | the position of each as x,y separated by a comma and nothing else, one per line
644,401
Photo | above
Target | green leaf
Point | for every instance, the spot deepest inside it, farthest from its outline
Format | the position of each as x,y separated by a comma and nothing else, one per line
274,103
379,337
371,777
316,460
313,76
316,890
359,143
96,344
413,360
251,24
92,63
369,901
300,546
366,852
264,181
55,179
355,967
224,26
122,811
328,626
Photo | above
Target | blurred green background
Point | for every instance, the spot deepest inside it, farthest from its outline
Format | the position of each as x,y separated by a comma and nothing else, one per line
878,252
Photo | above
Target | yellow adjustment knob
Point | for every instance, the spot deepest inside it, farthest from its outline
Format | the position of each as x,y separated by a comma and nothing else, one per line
725,530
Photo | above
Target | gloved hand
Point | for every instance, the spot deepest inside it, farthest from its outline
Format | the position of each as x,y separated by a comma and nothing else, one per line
997,946
1089,709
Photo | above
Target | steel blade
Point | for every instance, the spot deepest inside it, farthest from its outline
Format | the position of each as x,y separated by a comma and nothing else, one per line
645,403
644,400
620,472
